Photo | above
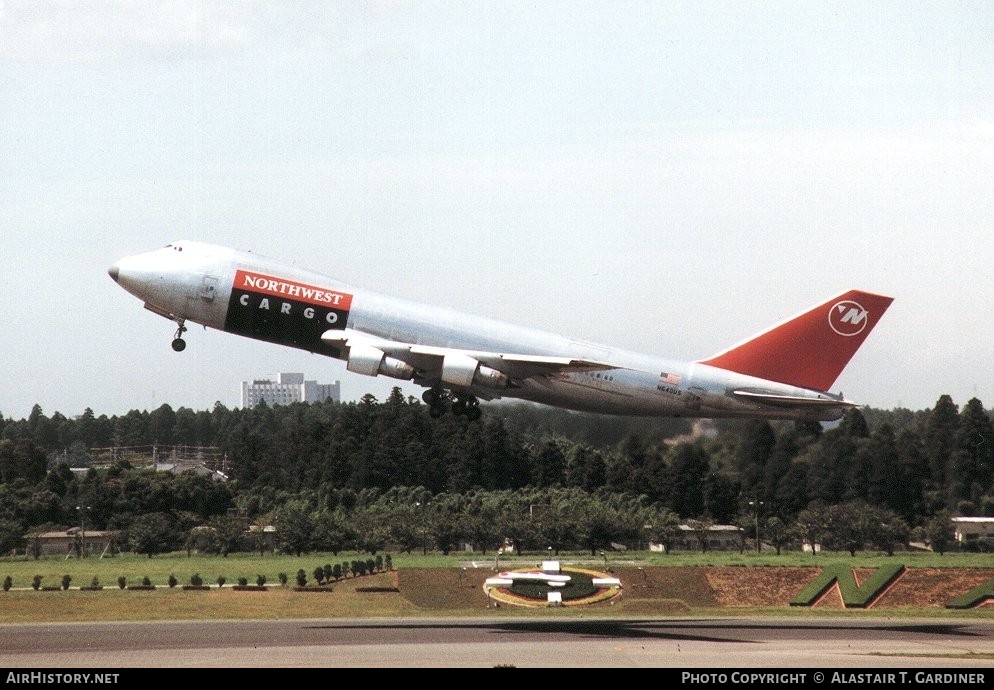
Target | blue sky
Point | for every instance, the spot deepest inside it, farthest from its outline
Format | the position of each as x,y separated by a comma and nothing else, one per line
662,176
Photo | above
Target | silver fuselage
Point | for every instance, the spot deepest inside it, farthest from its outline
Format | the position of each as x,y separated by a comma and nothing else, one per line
196,282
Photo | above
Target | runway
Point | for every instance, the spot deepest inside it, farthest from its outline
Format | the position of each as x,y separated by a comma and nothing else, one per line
728,644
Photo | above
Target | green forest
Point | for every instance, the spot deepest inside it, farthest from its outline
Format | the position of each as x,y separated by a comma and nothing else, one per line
371,475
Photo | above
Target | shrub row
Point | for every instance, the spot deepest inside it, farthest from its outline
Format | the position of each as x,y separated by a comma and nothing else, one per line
322,574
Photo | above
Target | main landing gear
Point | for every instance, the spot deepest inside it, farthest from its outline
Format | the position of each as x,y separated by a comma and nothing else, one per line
178,343
440,401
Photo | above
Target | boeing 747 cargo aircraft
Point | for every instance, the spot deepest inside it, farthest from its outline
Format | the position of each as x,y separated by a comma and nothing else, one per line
784,372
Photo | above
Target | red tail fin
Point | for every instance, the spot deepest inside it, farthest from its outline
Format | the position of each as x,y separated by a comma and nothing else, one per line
811,349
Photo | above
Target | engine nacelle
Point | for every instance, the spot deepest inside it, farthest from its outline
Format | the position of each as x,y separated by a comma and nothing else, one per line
491,378
371,361
463,371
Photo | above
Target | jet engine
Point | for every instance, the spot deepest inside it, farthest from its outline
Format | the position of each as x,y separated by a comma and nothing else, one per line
462,371
371,361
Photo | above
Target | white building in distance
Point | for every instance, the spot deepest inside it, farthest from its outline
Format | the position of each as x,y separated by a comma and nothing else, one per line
971,528
288,388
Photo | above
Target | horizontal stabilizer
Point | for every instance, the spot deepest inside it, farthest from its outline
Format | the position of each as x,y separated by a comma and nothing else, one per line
792,400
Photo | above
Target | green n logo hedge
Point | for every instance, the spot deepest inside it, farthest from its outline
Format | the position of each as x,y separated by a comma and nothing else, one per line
975,597
853,596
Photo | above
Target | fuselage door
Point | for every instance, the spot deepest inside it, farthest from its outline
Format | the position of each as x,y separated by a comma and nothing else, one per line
208,289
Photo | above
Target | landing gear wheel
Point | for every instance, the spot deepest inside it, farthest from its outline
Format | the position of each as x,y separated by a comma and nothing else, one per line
473,412
466,405
437,401
440,401
178,343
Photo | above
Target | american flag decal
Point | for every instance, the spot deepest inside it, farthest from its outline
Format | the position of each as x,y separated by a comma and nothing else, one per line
669,379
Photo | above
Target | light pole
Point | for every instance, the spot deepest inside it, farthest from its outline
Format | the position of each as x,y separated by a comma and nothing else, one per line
82,530
604,555
424,526
757,505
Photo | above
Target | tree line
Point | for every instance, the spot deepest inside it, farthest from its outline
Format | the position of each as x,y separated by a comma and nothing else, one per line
366,474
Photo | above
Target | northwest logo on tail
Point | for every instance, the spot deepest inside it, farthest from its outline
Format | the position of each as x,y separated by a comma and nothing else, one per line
848,318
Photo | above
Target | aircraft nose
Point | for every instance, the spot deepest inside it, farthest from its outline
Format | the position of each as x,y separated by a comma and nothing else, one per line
114,271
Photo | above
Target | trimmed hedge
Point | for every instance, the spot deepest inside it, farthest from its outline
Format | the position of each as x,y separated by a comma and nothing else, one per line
853,595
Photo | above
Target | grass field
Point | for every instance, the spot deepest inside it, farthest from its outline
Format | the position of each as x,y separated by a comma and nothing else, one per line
158,569
419,585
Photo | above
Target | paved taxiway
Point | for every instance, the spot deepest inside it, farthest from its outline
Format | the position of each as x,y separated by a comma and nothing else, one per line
493,642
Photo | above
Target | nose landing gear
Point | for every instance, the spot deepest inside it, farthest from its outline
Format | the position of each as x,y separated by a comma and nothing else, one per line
178,343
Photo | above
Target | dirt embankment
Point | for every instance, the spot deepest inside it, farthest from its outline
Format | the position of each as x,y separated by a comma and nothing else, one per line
444,588
675,589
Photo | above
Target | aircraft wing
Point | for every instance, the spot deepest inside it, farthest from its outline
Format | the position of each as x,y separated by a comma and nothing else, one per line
429,360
